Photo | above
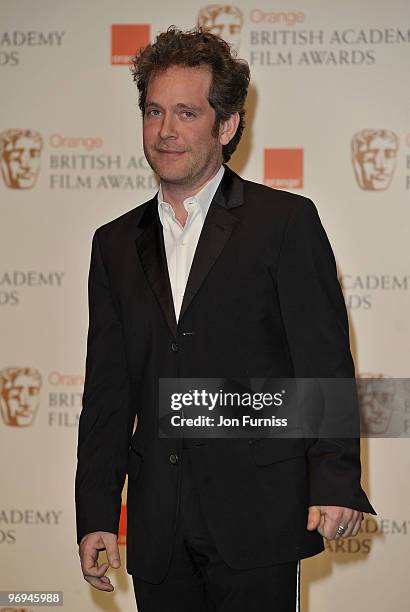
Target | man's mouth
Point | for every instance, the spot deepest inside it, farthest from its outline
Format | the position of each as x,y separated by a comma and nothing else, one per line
170,151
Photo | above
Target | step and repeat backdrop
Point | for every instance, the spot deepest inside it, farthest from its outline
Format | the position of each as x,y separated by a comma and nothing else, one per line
328,116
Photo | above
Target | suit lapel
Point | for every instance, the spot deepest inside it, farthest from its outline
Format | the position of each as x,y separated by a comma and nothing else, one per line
151,250
216,232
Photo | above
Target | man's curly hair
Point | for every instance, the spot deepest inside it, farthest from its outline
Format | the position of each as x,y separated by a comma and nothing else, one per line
198,48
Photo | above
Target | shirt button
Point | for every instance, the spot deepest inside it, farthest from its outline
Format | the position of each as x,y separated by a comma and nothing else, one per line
174,347
173,458
183,242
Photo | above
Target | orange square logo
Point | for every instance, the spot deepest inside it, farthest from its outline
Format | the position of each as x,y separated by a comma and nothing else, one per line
284,168
126,40
122,530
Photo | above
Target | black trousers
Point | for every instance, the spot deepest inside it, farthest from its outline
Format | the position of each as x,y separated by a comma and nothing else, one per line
198,580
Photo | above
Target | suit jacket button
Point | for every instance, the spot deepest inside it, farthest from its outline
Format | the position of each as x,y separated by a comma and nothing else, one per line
173,458
174,347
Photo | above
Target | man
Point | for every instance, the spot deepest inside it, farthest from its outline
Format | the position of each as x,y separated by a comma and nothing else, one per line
215,277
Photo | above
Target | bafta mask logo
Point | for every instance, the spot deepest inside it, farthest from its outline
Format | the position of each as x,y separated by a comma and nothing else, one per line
376,400
15,610
374,154
20,153
223,20
19,395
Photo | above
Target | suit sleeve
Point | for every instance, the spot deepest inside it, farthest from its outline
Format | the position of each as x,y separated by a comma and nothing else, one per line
106,419
316,324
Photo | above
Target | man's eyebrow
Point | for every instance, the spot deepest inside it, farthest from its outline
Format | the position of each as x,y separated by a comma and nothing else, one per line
153,103
180,105
190,106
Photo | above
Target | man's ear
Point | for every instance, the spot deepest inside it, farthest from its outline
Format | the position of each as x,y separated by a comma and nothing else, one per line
227,129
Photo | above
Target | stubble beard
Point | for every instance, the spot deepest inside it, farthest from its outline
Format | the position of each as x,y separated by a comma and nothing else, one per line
195,171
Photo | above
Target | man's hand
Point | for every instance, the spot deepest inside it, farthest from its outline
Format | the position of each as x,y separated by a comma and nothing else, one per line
326,519
90,545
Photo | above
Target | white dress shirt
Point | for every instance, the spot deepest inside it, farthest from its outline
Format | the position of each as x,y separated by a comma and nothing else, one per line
181,241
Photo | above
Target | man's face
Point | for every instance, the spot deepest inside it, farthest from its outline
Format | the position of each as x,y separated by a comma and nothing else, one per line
376,163
177,127
20,400
21,162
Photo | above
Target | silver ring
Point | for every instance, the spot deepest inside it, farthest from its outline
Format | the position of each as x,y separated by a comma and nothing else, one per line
340,530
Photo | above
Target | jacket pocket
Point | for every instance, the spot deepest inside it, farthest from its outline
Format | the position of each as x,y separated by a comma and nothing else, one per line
267,450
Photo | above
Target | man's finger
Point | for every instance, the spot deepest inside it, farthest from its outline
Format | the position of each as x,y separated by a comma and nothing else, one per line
313,518
90,567
111,547
102,584
88,560
329,522
351,525
321,528
354,525
334,516
356,528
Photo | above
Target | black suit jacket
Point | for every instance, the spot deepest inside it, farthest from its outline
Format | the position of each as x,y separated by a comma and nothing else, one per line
262,300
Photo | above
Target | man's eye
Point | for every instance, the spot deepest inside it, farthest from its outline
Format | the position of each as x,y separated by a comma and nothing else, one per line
188,114
154,112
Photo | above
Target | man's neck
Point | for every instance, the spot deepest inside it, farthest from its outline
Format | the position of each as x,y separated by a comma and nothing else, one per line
175,195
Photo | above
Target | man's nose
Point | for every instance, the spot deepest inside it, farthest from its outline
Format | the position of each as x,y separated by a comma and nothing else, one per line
167,127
